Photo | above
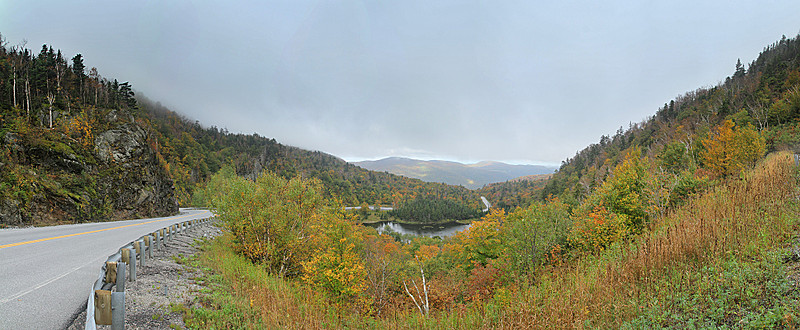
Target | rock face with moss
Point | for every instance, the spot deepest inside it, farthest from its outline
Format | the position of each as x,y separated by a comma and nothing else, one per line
49,176
142,186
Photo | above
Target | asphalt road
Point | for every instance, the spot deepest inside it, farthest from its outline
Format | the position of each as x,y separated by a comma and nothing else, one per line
46,273
486,202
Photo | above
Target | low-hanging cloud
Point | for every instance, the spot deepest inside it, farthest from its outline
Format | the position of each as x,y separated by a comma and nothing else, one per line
515,81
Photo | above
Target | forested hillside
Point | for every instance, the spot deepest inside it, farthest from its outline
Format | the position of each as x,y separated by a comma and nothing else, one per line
72,147
194,152
764,96
515,193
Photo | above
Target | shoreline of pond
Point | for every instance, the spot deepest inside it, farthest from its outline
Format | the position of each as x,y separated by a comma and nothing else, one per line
430,230
436,223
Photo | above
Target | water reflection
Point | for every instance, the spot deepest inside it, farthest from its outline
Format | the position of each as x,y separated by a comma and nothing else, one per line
442,230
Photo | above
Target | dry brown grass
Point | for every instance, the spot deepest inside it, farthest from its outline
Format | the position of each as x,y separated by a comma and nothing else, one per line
603,290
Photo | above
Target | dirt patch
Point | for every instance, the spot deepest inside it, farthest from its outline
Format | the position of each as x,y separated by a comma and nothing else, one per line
164,287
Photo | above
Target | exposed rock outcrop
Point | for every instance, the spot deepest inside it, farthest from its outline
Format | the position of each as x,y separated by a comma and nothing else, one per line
141,186
55,178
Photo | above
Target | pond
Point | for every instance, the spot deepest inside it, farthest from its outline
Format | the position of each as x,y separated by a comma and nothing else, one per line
441,230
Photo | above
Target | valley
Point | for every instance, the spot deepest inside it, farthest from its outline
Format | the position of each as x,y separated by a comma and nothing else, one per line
688,218
472,176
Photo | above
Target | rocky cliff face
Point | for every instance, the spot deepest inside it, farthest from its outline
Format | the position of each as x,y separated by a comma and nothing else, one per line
141,186
50,177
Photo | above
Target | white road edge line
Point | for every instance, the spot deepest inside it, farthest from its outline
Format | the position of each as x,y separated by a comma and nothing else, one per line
20,294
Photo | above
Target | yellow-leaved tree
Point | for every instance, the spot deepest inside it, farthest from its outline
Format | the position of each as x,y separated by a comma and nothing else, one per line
731,149
480,243
336,267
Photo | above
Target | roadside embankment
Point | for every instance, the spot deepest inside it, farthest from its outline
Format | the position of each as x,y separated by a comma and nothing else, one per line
165,286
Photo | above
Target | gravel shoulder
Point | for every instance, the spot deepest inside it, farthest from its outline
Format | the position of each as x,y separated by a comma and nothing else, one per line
165,286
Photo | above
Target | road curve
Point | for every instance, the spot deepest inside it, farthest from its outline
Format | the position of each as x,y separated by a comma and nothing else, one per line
486,202
46,273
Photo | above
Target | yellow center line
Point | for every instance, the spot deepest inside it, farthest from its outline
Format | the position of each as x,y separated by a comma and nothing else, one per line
91,232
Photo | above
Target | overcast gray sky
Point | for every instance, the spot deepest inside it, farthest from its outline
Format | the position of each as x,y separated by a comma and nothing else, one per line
517,81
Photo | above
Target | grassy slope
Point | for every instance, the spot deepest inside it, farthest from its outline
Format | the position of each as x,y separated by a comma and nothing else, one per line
718,261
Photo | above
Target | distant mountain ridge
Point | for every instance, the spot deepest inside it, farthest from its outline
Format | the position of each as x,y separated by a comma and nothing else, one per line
472,176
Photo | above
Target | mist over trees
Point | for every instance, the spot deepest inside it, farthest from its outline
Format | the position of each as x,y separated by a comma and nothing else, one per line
764,97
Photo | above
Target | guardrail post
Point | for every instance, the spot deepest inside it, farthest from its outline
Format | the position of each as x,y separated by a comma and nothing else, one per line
148,245
111,272
129,257
102,307
120,276
118,310
155,240
140,251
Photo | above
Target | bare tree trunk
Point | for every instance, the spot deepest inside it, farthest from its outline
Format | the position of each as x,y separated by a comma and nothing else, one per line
28,95
50,99
14,84
423,306
412,298
424,287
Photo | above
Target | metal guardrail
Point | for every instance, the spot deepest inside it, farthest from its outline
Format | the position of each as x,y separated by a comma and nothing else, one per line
106,304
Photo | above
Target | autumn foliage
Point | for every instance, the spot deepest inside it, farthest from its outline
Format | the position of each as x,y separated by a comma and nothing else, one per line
675,222
731,149
272,218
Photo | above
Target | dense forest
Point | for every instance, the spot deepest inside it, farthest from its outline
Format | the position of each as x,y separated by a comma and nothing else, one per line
429,209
